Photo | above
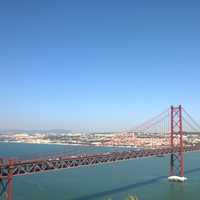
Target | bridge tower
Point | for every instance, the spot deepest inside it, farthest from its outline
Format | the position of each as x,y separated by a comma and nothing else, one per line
6,183
176,143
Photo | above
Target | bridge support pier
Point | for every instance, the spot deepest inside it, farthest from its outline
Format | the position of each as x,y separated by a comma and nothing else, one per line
6,183
176,143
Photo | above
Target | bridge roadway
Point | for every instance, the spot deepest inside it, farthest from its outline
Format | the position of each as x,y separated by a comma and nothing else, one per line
28,167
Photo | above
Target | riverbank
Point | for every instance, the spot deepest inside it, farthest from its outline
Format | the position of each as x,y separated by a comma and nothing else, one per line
69,144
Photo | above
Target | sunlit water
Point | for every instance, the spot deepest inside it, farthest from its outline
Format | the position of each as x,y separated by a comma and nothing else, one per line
147,178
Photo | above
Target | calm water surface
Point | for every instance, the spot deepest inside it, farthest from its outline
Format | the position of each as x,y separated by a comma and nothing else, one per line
145,177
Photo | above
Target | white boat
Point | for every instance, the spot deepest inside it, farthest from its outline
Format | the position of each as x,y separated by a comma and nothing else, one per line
177,178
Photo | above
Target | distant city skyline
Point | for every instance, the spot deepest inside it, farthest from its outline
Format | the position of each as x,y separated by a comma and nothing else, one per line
97,65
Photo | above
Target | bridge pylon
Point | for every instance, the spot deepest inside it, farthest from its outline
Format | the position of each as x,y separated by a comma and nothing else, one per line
6,183
176,143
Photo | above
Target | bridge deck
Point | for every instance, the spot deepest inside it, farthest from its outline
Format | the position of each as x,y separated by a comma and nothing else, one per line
28,167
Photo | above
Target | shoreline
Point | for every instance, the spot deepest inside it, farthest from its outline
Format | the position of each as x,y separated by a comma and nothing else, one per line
68,144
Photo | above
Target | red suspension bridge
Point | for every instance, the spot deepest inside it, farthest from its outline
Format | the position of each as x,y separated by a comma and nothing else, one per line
174,123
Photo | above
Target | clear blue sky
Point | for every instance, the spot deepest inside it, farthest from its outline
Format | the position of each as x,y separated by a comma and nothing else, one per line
96,64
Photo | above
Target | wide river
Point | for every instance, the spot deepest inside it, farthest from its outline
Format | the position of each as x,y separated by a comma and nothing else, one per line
147,177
